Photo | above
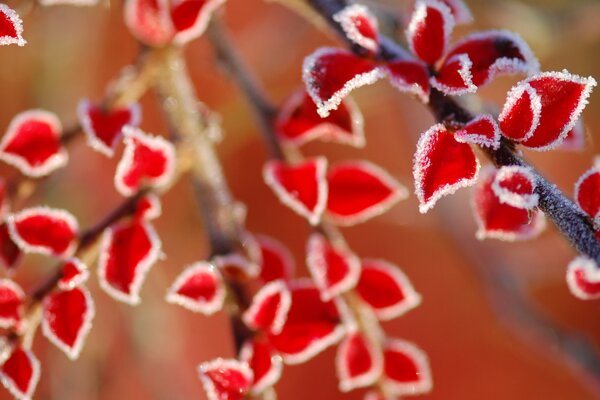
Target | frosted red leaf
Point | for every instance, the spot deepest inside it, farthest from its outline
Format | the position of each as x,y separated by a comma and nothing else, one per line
460,11
360,26
199,288
498,220
386,289
269,308
149,21
127,252
10,253
334,270
12,300
429,30
330,74
406,368
360,190
409,76
148,207
11,27
515,185
74,273
575,139
442,165
587,192
20,373
359,362
276,260
190,18
147,161
562,98
265,363
521,113
104,127
302,187
44,230
583,278
67,319
298,122
312,325
456,77
482,131
32,143
225,379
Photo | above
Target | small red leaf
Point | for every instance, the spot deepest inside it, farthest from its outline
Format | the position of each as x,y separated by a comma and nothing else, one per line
311,326
148,207
20,373
225,379
74,273
276,260
12,300
583,278
385,288
43,230
587,192
104,127
11,27
455,78
10,253
360,190
127,253
298,122
460,11
147,161
497,220
409,76
521,113
360,26
482,131
191,17
199,288
406,368
330,74
442,166
302,187
429,30
67,319
334,270
515,186
264,362
269,308
32,143
359,362
149,21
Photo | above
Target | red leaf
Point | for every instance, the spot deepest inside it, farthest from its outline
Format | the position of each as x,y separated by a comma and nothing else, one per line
515,186
429,30
12,299
562,98
460,11
11,27
587,192
456,77
298,122
44,230
406,368
360,26
269,308
311,326
501,221
442,166
127,253
482,131
74,273
199,288
333,270
148,207
302,187
385,288
359,362
576,138
409,76
360,190
147,161
225,379
236,265
191,17
104,127
330,74
20,373
10,253
489,54
583,278
149,21
32,143
264,362
67,319
276,260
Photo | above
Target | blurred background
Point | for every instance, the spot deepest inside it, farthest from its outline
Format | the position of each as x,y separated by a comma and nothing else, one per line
497,320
